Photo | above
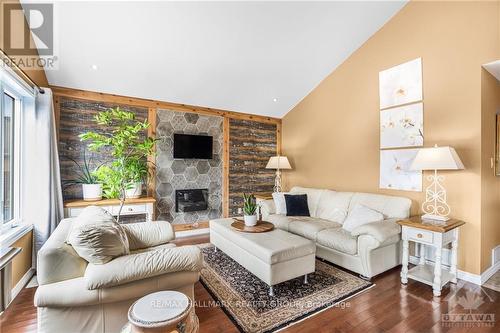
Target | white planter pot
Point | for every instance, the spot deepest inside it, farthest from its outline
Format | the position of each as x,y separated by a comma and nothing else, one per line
250,220
135,191
92,192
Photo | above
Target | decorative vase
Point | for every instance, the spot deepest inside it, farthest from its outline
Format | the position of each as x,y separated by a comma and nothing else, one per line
92,192
250,220
134,191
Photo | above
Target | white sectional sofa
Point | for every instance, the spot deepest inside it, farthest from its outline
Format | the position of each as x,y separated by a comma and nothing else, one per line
369,249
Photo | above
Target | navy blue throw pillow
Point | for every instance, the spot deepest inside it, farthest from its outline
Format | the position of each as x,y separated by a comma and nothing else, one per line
296,205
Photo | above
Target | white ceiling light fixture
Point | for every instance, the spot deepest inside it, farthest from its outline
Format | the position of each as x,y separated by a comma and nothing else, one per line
275,100
94,67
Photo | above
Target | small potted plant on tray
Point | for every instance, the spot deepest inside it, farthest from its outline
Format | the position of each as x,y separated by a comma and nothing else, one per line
249,210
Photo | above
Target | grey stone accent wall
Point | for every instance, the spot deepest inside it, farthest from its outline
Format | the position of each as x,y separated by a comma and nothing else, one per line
176,174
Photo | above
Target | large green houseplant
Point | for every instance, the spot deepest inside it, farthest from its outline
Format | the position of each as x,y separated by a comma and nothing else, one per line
123,136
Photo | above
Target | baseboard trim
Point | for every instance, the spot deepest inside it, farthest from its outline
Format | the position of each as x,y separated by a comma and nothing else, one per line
192,232
23,282
490,272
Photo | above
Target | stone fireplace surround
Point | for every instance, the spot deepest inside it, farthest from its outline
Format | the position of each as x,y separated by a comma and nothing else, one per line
179,174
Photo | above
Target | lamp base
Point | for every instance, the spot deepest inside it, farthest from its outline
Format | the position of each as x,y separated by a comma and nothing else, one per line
435,217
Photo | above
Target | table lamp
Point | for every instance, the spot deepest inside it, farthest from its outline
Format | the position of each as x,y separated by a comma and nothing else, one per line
436,158
278,163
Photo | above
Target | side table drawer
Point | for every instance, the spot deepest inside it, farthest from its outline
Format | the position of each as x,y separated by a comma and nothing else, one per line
130,209
75,211
420,236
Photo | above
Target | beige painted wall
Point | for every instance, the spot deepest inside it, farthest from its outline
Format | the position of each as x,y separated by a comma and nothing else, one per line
332,136
490,184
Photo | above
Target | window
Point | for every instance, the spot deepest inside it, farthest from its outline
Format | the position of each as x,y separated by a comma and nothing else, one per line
7,167
12,98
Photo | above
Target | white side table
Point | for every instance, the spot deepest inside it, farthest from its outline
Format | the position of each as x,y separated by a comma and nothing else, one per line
139,206
435,234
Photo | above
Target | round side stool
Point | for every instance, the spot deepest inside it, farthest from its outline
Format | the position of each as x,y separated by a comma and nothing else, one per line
162,312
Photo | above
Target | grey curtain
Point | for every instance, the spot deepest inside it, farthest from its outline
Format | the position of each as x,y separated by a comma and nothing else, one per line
42,203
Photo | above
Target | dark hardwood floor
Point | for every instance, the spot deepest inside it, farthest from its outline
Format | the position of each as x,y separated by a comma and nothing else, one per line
387,307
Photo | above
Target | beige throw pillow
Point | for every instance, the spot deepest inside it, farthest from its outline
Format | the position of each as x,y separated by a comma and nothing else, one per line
96,236
90,215
99,243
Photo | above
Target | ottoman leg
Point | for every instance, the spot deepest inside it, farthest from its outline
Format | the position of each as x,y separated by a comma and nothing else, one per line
215,248
305,279
271,291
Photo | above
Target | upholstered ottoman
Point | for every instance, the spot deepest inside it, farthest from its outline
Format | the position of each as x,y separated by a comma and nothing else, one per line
274,256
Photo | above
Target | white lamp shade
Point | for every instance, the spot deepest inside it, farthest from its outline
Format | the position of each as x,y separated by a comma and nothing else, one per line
437,158
278,162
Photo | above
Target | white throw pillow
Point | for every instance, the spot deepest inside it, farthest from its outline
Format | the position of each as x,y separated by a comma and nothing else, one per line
361,215
90,215
279,202
100,243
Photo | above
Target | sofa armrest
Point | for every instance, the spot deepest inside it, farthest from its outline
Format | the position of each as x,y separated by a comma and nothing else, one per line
267,207
148,234
58,261
143,265
381,231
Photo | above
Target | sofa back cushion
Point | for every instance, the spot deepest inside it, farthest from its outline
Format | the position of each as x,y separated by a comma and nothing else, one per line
313,196
361,215
389,206
333,206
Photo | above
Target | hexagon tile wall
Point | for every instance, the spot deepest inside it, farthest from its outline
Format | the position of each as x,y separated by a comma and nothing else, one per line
181,174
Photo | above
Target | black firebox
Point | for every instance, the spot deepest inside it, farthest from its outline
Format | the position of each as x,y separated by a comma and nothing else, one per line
191,200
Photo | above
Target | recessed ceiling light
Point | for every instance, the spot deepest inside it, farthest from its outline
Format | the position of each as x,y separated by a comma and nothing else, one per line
94,67
275,99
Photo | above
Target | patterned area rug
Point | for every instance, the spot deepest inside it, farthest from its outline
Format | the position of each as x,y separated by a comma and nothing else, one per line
245,298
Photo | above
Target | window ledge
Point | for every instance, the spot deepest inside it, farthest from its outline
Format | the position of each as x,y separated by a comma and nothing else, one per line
11,236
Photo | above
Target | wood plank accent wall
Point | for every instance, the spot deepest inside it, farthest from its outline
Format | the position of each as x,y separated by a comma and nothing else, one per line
75,117
75,108
251,144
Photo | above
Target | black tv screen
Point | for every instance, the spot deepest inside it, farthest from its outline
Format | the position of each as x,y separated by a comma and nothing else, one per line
193,146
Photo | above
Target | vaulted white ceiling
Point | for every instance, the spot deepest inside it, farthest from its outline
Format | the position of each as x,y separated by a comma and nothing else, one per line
254,57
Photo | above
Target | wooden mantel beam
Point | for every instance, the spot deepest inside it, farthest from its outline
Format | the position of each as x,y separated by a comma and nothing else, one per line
149,103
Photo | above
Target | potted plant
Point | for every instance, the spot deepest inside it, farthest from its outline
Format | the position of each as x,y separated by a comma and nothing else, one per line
138,173
249,210
91,187
123,136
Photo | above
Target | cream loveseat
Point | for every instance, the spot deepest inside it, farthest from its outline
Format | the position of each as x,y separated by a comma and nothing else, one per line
368,250
74,296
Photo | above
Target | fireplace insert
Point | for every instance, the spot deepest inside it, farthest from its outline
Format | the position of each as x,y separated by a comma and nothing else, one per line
191,200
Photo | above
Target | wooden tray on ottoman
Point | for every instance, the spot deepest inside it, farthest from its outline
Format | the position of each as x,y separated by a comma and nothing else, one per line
262,226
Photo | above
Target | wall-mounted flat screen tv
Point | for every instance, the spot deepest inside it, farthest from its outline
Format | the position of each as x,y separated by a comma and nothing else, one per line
193,146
